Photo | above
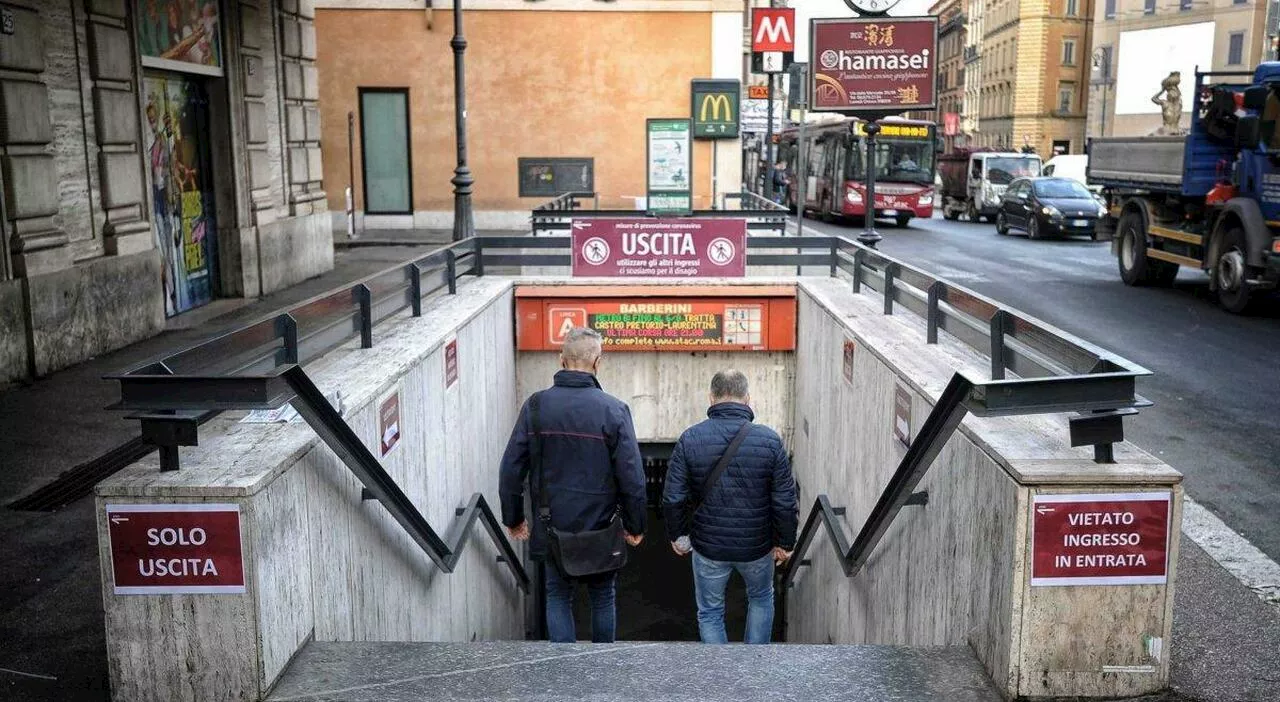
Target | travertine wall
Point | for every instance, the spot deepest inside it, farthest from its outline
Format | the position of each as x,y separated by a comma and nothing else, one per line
319,561
956,571
668,391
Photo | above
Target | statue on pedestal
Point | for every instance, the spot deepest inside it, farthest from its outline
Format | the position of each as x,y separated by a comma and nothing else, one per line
1170,105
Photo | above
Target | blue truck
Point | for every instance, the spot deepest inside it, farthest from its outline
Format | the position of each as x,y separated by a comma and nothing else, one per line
1209,199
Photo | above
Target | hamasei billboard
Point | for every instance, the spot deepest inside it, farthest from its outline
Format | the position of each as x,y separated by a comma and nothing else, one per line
880,65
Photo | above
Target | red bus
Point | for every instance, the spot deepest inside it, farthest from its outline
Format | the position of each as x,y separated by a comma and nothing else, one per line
835,171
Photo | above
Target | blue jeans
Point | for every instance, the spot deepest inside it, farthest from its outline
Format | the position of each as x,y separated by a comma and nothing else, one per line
601,590
709,581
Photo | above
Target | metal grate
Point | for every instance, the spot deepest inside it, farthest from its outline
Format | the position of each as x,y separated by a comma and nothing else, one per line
79,481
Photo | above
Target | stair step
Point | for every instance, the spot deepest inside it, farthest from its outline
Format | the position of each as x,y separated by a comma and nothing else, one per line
630,672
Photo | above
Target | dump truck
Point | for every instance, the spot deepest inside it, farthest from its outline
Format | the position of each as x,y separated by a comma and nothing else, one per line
974,180
1209,199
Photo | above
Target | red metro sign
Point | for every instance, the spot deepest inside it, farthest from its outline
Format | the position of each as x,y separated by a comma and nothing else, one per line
1100,539
773,29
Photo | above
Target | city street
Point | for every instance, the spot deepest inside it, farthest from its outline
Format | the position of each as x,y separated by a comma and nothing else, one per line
1216,386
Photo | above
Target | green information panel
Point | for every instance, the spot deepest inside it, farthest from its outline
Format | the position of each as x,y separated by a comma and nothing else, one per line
715,109
669,151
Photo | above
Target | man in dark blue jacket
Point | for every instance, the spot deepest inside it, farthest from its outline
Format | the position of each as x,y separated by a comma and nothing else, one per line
593,471
747,520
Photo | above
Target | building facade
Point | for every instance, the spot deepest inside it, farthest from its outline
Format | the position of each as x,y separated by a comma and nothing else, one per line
557,95
1137,42
156,155
951,71
1035,68
974,33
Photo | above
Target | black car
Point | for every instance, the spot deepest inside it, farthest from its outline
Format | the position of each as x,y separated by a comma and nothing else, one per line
1048,207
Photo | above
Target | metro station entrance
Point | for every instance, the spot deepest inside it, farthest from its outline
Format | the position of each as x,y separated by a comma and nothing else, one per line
655,589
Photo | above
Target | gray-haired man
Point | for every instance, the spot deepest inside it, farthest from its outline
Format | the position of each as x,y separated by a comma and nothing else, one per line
742,519
593,471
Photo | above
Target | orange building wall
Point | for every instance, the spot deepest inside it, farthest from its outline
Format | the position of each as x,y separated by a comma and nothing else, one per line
539,83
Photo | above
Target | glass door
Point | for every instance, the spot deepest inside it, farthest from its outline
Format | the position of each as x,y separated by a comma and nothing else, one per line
384,148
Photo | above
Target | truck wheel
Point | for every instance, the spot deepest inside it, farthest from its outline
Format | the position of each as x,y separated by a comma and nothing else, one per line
1135,267
1132,250
1231,272
950,214
902,220
1002,225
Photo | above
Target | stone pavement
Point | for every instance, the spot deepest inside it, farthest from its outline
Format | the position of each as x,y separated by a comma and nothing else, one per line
51,632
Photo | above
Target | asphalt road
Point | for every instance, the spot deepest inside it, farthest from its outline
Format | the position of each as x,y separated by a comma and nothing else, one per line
1216,386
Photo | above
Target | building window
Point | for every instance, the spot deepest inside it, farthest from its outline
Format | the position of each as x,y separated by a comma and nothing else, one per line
1065,93
1235,49
1068,52
1111,9
1240,2
1184,5
1073,8
1149,7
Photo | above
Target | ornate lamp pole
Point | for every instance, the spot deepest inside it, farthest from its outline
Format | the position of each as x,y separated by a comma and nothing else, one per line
463,223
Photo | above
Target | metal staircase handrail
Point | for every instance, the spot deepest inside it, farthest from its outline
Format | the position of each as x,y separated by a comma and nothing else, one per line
938,427
310,402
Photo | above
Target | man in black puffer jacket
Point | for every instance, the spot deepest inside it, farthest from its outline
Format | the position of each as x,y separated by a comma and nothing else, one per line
746,520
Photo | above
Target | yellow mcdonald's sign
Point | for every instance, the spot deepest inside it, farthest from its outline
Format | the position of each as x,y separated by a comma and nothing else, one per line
715,109
715,102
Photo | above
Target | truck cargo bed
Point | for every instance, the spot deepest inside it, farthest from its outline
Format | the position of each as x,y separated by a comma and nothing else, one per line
1153,162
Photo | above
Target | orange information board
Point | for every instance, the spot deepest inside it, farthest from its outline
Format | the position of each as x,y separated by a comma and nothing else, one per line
675,321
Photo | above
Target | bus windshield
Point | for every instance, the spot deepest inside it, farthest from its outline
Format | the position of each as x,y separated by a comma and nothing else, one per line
898,160
1003,170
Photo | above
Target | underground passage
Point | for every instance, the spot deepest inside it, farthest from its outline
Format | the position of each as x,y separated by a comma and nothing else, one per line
943,446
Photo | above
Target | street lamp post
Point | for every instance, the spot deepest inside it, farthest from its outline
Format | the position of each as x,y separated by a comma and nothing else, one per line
463,223
869,236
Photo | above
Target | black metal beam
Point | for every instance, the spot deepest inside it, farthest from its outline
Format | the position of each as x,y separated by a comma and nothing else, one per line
189,392
1078,393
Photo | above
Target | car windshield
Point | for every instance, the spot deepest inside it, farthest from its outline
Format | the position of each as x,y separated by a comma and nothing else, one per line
1062,190
898,160
1003,170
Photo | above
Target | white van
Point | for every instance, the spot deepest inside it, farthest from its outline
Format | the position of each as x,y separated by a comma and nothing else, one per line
1071,166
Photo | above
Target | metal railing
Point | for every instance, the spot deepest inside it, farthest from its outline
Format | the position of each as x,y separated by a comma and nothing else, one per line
1060,373
257,367
569,201
556,216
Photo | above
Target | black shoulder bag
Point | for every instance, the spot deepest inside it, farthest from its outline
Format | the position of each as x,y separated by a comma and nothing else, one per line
585,552
721,465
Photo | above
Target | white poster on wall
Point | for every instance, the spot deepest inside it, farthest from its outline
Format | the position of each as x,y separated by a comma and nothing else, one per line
1147,56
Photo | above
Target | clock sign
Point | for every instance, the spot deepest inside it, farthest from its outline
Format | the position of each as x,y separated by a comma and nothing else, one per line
871,8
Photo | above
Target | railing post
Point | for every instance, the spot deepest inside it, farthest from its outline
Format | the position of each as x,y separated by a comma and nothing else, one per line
936,291
835,251
890,271
858,256
364,296
451,271
287,328
998,324
479,254
415,289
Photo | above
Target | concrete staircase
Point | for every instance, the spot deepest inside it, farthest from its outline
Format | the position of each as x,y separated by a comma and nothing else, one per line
630,672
